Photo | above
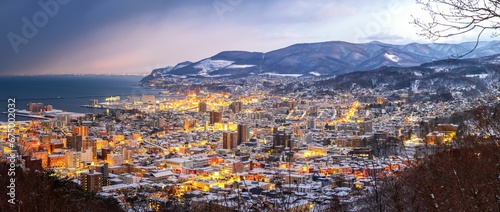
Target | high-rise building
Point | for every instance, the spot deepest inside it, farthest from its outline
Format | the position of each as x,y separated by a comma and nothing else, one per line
92,144
366,127
81,130
236,106
63,118
91,181
229,140
87,156
35,107
103,168
215,117
74,142
105,151
202,107
73,159
311,124
282,138
242,133
127,155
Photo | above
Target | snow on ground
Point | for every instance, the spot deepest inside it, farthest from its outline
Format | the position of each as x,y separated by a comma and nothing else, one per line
209,65
418,74
392,57
482,76
282,75
240,66
218,75
178,66
315,73
437,70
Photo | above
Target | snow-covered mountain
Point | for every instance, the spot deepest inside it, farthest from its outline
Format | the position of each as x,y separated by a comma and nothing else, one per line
323,59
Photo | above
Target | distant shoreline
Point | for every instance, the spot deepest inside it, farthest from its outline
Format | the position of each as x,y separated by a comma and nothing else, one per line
111,75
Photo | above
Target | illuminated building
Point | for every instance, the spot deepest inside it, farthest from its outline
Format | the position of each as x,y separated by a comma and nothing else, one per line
233,166
157,176
73,159
362,152
114,159
178,163
190,123
103,168
87,155
434,138
91,181
43,155
449,132
56,161
200,162
93,102
225,126
92,144
157,203
113,99
215,117
81,130
229,140
117,138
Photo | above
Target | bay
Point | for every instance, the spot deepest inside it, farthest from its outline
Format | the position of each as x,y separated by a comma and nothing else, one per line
67,92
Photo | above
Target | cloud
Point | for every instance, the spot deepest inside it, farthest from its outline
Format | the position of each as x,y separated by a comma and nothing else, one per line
128,36
384,36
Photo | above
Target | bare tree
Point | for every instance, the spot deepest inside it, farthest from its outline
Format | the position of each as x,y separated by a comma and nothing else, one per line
449,18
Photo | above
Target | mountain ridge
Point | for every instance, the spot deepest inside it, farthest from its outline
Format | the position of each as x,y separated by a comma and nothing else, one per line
454,78
324,58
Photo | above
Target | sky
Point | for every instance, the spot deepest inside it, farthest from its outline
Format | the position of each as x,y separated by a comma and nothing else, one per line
134,37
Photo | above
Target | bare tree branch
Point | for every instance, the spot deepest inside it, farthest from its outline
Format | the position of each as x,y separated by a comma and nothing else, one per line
450,18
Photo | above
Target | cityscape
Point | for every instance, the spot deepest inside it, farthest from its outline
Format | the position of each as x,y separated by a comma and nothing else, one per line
249,143
306,127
